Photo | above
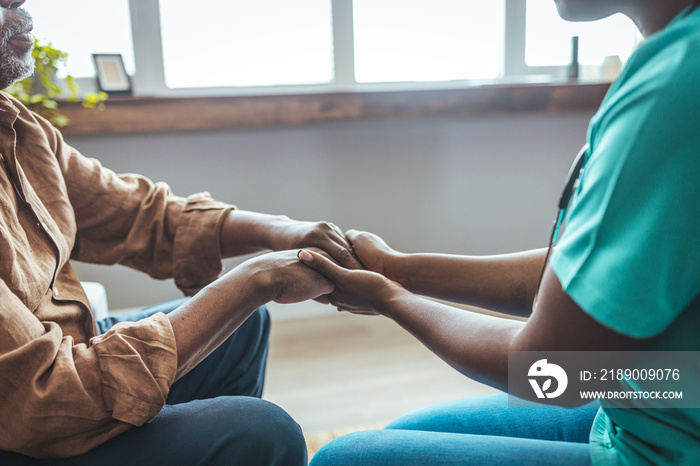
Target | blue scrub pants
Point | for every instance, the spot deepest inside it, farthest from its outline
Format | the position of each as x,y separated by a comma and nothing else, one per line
213,416
480,431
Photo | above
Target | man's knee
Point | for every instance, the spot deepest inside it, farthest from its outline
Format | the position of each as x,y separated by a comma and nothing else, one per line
234,430
263,433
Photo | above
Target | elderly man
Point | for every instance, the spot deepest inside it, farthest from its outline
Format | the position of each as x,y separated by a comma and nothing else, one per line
73,388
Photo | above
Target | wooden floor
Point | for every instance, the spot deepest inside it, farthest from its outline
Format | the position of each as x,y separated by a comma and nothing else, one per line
339,372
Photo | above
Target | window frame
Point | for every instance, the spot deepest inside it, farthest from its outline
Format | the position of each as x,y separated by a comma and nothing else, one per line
149,79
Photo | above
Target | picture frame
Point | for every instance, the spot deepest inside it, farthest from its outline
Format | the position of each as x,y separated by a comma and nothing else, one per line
111,74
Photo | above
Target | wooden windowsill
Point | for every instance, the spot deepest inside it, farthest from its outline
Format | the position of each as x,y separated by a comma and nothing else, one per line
144,115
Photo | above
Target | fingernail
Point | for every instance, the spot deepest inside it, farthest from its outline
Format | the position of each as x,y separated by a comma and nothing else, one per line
305,256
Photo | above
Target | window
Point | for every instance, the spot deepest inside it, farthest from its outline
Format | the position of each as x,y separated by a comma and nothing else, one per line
82,28
418,40
173,47
245,43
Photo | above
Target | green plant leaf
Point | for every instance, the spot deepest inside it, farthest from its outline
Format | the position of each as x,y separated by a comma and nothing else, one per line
39,92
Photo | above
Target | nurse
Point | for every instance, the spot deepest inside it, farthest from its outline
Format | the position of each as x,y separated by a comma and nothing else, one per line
623,275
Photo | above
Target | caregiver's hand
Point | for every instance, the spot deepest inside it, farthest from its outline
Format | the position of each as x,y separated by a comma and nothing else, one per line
356,291
374,253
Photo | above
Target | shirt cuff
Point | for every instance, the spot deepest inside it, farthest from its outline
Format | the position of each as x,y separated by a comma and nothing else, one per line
197,254
138,363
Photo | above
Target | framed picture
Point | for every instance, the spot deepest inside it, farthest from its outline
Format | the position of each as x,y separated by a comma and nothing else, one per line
111,74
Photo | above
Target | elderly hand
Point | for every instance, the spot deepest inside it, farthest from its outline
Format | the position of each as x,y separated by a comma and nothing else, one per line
281,278
246,232
294,234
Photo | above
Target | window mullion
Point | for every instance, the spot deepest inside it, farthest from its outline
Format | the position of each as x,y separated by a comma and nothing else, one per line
514,42
148,47
343,45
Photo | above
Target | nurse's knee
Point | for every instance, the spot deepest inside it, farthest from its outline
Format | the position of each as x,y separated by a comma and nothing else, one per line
348,450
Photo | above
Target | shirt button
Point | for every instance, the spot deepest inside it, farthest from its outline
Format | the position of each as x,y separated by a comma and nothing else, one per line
55,292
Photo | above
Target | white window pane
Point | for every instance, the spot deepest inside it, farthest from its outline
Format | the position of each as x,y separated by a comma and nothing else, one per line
548,37
427,40
247,43
84,27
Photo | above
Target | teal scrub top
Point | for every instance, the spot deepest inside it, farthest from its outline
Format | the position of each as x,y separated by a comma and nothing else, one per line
629,254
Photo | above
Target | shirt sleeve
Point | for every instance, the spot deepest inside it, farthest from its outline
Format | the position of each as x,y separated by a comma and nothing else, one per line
60,398
130,220
629,252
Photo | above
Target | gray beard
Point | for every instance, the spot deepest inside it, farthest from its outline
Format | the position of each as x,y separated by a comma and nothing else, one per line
14,67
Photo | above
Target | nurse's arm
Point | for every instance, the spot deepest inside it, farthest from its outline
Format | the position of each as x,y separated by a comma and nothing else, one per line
476,345
505,283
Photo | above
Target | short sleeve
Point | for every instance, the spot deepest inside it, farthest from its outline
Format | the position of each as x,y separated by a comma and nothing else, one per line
630,250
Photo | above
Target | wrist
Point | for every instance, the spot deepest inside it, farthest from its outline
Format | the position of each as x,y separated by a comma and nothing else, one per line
391,299
244,232
275,231
260,279
396,268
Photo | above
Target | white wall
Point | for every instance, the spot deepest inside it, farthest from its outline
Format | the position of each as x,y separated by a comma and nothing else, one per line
457,185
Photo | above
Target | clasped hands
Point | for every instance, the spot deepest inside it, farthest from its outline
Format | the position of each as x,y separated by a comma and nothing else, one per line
347,270
357,290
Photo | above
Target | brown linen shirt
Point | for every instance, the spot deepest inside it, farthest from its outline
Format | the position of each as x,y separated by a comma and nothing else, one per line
63,388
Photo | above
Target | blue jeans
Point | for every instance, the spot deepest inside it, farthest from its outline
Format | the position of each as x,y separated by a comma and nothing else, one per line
214,414
479,430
